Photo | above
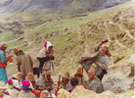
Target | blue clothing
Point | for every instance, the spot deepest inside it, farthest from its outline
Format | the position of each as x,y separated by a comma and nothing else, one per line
2,56
3,72
3,75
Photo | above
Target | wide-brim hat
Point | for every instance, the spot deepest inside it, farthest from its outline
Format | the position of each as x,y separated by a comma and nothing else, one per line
66,75
16,50
3,45
2,85
30,77
18,76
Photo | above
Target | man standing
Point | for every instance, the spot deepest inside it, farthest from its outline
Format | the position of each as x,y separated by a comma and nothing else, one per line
24,62
3,63
100,58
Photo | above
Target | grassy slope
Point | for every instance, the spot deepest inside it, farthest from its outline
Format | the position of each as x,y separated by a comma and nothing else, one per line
70,36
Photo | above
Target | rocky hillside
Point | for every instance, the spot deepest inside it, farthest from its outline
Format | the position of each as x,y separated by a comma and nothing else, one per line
74,37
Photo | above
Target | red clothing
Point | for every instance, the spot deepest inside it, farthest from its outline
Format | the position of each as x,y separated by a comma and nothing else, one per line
2,65
36,92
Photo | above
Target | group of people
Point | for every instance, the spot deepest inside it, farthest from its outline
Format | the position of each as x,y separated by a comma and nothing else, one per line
24,84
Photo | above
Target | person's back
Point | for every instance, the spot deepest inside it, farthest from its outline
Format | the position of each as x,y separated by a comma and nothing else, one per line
26,64
26,90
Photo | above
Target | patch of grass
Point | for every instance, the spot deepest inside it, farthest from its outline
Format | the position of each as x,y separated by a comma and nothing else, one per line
7,36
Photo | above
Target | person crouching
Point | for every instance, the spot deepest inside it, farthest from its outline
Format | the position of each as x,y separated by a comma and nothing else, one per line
26,91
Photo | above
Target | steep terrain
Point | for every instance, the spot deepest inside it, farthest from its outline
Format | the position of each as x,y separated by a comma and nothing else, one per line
74,37
115,25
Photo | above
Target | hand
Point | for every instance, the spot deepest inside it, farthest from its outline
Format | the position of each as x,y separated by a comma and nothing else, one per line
105,41
10,58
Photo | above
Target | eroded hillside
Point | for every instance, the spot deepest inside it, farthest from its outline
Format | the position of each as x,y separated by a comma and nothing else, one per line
71,43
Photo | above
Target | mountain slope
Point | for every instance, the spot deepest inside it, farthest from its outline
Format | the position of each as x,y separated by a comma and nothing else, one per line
76,37
69,6
73,38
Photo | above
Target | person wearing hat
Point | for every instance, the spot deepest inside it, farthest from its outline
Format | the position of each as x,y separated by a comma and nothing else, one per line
26,91
74,82
45,56
13,90
46,94
65,82
102,62
3,91
99,46
16,81
94,83
30,77
15,84
18,76
79,74
3,63
24,62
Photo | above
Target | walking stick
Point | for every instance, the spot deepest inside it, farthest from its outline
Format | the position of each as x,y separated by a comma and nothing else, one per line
59,82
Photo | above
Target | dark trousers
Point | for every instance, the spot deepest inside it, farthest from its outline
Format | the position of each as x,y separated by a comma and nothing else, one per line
102,75
41,64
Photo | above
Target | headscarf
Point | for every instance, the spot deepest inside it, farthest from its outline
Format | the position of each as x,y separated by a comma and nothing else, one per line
48,44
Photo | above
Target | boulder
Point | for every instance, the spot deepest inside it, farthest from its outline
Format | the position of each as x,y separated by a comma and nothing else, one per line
81,92
120,77
107,94
62,93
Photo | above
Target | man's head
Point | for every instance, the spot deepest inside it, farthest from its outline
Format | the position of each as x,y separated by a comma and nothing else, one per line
3,46
66,77
17,51
74,82
105,50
